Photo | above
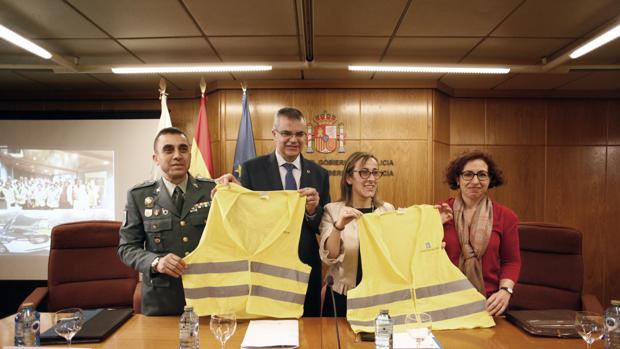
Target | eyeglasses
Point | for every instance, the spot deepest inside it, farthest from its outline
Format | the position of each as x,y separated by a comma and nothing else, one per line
483,176
365,173
289,134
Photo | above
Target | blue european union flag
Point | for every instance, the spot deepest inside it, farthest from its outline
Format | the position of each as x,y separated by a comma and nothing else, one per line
245,149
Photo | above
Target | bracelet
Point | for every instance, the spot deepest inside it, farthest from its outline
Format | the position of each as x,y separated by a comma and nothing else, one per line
336,227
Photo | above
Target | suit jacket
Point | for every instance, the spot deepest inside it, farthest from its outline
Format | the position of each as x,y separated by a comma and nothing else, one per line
154,227
262,173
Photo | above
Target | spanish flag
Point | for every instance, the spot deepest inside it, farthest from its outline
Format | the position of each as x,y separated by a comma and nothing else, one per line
202,163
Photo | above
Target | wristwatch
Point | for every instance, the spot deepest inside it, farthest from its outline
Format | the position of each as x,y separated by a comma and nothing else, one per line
154,264
507,289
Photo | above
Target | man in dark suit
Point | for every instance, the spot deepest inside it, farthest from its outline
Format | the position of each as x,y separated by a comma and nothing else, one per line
164,220
285,168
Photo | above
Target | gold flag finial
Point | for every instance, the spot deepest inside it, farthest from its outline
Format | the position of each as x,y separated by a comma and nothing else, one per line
203,86
162,85
244,86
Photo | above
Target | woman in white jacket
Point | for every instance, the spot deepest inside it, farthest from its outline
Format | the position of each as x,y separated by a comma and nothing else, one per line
339,246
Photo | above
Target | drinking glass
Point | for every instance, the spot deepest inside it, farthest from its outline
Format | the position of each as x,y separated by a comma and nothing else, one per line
223,326
67,322
418,326
589,326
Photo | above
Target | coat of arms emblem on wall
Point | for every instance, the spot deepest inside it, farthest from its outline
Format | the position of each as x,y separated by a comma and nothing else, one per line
325,135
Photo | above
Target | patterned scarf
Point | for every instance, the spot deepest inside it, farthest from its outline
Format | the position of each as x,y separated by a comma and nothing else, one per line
474,238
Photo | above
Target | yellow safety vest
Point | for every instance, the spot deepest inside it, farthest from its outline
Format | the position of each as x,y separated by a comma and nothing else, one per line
247,259
406,271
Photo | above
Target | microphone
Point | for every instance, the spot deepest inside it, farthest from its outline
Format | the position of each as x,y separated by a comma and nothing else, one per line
330,282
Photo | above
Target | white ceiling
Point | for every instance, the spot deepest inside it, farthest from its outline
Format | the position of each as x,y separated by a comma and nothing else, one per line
99,34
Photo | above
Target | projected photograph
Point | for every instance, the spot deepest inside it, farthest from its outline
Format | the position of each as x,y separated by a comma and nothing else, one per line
43,188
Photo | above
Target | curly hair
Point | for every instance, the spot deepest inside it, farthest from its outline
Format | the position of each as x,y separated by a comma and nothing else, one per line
455,167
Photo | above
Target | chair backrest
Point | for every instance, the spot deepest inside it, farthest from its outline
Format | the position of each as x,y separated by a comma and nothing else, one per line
551,268
84,270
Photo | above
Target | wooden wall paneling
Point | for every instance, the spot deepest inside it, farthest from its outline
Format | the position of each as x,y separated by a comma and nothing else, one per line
345,104
613,123
394,114
263,105
576,122
334,178
513,122
576,197
183,113
410,184
467,121
612,238
441,117
441,156
523,169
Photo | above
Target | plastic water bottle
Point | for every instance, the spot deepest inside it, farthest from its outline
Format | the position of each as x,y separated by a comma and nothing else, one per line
188,329
384,330
612,325
27,327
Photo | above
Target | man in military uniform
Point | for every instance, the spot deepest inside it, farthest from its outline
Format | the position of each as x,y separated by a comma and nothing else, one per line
164,220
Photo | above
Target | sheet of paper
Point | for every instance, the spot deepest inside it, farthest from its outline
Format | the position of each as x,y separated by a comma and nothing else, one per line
402,340
271,334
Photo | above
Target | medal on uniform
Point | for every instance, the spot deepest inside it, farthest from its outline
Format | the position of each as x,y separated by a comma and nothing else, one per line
164,211
156,212
148,202
148,212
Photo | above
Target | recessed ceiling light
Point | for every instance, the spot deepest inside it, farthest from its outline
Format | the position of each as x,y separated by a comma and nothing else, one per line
597,42
429,69
16,39
190,69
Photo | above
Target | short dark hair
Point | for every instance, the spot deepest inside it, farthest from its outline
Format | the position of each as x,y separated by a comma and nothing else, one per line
167,131
455,167
289,113
346,190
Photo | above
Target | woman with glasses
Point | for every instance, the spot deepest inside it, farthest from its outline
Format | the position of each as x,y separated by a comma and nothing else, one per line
339,246
482,239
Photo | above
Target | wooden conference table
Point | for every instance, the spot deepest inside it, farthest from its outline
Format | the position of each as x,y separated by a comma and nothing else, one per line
142,332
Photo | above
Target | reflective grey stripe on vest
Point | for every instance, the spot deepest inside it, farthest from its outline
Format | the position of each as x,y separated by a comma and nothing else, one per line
386,298
220,291
285,273
436,315
458,311
279,295
437,290
217,267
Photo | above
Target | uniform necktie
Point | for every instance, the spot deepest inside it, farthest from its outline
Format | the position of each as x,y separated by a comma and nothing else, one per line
289,179
177,198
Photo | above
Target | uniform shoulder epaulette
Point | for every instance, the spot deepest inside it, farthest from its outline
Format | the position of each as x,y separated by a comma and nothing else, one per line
203,179
144,184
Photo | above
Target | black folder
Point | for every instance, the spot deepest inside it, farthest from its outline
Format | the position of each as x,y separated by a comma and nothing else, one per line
558,323
98,325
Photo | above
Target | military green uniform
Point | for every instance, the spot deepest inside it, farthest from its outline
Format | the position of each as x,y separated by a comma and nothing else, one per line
153,227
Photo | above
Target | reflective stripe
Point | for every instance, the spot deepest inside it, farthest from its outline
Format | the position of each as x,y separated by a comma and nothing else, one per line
398,320
221,291
438,290
284,273
436,315
217,267
386,298
458,311
284,296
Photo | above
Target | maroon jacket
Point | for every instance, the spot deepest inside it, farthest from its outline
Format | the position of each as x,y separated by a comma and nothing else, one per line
502,259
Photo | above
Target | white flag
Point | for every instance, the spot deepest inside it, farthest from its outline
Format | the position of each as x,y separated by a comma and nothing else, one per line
164,121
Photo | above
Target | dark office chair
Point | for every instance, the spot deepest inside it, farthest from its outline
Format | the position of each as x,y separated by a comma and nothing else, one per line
551,270
84,270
